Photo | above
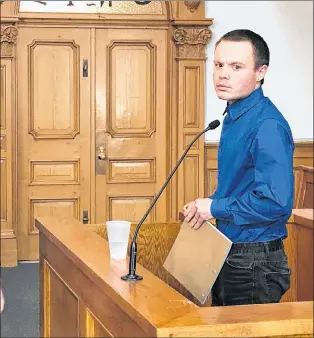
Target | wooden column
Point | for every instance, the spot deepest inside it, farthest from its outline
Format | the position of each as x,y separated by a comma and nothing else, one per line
190,40
7,144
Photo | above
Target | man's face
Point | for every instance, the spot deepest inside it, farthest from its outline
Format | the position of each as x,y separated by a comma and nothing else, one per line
234,73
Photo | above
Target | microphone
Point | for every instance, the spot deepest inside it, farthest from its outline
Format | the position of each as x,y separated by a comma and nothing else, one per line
132,276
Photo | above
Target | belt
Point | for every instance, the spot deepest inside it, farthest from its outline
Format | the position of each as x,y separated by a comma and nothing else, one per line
273,245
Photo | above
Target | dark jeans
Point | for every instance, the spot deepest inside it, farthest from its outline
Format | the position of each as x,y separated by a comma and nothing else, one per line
253,273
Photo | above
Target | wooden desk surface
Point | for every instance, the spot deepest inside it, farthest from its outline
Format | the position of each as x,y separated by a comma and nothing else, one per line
275,319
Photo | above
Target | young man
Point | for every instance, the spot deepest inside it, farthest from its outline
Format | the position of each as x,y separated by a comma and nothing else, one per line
254,195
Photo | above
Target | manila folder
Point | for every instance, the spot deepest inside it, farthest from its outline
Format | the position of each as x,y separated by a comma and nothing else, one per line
197,257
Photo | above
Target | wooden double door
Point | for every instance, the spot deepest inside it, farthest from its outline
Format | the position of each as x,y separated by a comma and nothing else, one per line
92,126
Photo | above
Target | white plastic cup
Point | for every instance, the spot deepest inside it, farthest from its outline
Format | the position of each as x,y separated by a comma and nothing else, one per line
118,237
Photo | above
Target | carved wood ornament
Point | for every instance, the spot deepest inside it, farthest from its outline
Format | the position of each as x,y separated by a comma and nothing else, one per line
8,39
191,42
192,5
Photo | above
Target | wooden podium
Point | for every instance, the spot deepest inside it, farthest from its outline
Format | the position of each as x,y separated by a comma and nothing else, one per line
82,294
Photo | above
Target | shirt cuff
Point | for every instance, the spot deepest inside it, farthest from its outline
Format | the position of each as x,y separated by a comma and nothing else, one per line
218,209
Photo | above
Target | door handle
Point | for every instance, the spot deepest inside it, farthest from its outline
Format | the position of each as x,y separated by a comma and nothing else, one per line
102,153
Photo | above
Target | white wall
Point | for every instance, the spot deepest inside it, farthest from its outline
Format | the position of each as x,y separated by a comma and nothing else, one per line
287,27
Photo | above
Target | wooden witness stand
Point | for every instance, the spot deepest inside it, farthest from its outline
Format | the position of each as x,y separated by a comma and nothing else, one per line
82,294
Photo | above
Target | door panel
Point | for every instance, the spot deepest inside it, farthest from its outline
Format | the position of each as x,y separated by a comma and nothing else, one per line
131,114
53,129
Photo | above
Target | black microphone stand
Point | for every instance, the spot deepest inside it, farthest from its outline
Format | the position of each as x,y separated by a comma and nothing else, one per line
132,276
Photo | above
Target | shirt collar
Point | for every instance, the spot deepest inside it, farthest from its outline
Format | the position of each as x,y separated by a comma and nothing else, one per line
238,108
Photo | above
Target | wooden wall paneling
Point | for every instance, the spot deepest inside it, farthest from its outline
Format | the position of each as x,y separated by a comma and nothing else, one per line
291,250
304,263
57,296
190,45
303,156
94,328
60,306
8,144
299,249
211,168
173,125
93,112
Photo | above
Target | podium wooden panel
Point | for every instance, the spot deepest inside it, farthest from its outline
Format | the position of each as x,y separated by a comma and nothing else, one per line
300,252
82,295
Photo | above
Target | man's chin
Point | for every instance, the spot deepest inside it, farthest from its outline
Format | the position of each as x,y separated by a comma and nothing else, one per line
225,96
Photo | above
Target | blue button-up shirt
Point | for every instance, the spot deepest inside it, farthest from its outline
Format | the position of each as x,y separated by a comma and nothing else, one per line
254,195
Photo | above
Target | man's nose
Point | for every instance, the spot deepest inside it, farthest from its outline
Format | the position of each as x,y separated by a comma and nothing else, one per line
224,74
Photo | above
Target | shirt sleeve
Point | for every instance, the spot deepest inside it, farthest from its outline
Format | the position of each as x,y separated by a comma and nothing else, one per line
271,195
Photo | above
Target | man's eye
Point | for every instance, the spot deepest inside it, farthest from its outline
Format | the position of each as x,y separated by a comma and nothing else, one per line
236,67
218,65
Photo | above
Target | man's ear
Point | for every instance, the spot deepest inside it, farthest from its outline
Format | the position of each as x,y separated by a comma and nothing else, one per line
261,72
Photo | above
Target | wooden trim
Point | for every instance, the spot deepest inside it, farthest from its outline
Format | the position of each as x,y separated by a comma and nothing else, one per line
190,42
8,238
8,250
93,89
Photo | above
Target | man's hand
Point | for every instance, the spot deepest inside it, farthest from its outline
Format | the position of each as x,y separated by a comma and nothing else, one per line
197,212
189,211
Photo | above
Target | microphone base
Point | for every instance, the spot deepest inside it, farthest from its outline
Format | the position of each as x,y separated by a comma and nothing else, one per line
131,277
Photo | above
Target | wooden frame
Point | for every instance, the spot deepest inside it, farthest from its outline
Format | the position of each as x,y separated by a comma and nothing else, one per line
8,143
